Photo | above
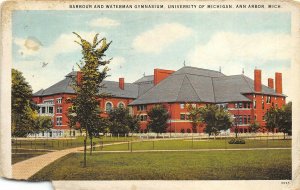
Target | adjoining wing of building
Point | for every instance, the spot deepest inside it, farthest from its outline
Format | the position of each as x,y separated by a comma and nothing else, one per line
246,99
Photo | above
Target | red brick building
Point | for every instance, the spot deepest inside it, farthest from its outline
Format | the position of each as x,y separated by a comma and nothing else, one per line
246,99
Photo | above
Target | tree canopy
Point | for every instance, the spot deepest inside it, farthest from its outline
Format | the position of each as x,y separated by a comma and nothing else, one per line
121,122
88,84
158,119
21,105
215,118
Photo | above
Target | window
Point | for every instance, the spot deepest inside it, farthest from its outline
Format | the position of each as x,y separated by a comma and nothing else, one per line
48,102
121,105
249,119
246,105
236,105
59,121
43,109
58,100
254,96
263,105
108,106
182,116
254,104
143,117
240,105
240,120
51,110
141,107
181,106
59,110
268,99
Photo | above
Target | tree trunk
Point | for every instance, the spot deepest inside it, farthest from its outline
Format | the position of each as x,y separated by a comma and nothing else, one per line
284,135
84,154
91,149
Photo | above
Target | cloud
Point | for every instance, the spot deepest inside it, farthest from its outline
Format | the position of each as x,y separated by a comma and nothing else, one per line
64,44
104,23
226,47
160,37
267,51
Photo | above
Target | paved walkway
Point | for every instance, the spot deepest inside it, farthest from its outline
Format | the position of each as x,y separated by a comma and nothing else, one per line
27,168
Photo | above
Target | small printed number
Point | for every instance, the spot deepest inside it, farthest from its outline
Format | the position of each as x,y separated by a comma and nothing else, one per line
285,182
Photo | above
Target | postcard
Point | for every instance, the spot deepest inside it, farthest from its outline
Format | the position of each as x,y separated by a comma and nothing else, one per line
151,94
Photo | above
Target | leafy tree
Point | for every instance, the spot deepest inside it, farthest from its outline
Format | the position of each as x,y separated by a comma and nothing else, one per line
254,126
158,119
86,102
121,122
41,123
280,118
22,108
272,118
286,119
215,118
194,116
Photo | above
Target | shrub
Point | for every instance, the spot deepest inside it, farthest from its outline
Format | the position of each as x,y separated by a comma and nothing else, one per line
182,131
237,141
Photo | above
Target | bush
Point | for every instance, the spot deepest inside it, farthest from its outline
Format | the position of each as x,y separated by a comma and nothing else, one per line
237,141
182,131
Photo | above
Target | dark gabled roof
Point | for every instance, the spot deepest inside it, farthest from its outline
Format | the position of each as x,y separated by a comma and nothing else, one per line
145,79
190,84
111,87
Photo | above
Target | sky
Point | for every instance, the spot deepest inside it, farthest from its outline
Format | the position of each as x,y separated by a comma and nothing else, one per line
142,41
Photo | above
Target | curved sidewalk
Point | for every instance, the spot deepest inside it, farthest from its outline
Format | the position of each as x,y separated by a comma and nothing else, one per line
25,169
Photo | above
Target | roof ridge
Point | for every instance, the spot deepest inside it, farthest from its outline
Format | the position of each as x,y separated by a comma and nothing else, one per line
201,69
180,87
193,88
192,74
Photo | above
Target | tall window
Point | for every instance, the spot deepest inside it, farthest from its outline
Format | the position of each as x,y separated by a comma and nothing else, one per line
108,106
143,117
59,121
182,116
181,106
263,105
268,99
254,104
59,110
141,107
121,105
58,100
50,110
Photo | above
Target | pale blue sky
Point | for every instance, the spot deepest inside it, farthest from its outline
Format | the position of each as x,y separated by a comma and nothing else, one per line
203,39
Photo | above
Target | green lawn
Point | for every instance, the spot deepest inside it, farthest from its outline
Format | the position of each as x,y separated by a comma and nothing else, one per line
202,165
196,144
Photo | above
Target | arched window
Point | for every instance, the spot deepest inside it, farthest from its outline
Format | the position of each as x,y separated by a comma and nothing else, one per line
108,106
121,105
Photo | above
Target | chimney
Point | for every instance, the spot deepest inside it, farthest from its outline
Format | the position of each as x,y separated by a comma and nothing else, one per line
121,83
78,77
161,74
257,80
270,83
278,83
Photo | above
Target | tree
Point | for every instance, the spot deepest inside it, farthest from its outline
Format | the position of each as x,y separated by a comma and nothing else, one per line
86,102
272,118
285,125
41,123
121,122
254,126
194,116
280,118
215,118
158,119
21,105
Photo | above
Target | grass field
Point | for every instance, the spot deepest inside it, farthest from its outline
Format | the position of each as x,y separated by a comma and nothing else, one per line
207,165
184,144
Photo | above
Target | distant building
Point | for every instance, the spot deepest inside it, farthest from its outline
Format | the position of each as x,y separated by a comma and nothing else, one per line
246,99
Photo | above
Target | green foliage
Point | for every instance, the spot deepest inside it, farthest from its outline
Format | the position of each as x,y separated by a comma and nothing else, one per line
194,116
85,108
254,127
41,123
158,119
121,122
22,108
280,118
237,141
215,118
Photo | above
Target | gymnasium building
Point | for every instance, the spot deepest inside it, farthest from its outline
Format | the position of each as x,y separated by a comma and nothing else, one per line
246,99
